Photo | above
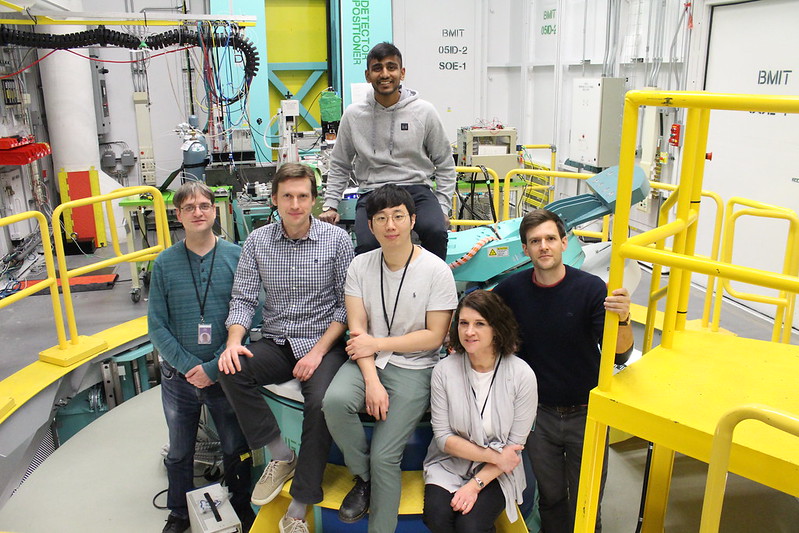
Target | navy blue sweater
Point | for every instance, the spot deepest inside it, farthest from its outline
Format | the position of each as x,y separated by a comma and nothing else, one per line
561,328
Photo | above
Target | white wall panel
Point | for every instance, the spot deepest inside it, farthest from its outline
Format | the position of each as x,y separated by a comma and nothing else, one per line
443,56
754,154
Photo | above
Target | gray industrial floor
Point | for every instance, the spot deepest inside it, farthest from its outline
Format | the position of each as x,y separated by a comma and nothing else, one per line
105,477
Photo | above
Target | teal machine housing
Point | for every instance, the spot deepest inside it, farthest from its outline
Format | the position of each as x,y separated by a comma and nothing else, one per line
487,254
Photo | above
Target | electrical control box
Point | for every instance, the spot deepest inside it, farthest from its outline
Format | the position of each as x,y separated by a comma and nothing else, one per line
100,95
492,148
217,518
597,108
127,158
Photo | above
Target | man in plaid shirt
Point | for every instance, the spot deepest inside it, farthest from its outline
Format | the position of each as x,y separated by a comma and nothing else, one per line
301,264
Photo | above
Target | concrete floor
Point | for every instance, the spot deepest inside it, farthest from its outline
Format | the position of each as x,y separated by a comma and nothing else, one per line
111,488
27,327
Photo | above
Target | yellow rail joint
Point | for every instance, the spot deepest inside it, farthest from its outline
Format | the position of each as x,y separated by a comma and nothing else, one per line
6,406
85,348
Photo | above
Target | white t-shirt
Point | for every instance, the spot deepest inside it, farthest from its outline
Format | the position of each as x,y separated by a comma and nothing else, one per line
428,286
481,385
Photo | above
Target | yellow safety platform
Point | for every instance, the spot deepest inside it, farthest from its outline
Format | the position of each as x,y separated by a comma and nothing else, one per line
669,397
678,392
338,482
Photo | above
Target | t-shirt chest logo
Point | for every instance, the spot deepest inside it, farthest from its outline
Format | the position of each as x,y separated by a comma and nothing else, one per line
404,126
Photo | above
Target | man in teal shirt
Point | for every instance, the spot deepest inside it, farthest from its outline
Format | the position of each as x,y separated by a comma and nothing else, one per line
189,297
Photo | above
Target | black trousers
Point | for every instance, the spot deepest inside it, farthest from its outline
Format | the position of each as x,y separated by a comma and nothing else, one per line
440,518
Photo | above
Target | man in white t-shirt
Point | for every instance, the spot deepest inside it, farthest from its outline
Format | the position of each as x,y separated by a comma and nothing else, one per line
399,301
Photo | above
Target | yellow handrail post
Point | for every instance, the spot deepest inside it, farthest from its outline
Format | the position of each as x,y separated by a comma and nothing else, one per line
596,432
78,347
51,282
695,192
714,254
785,301
683,209
720,455
621,222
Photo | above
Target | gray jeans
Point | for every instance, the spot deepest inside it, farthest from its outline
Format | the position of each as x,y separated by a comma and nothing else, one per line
555,448
409,397
273,363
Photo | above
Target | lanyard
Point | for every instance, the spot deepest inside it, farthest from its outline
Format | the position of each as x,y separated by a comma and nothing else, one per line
470,471
490,385
194,280
396,300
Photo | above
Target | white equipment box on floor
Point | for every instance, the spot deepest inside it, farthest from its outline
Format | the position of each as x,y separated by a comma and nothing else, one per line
205,518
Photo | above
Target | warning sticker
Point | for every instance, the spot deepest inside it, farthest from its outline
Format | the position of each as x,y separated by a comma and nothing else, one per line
499,251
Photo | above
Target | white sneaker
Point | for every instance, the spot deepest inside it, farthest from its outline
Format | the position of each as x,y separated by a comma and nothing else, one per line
293,525
272,480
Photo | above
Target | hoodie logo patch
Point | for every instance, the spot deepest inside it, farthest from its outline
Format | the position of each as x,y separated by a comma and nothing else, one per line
404,126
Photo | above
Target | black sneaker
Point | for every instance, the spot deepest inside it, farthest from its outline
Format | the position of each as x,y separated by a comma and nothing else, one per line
176,524
356,503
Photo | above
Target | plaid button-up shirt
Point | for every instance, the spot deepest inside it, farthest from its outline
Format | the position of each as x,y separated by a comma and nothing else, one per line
303,280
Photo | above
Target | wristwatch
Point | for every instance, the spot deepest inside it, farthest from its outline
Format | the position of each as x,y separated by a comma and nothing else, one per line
328,208
479,482
625,322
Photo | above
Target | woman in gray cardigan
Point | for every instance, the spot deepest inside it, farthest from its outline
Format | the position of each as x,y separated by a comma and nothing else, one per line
483,403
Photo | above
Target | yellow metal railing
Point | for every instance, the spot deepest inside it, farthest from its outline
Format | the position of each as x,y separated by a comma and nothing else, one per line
505,190
548,197
495,197
609,401
785,301
601,235
683,229
656,292
51,282
720,455
78,347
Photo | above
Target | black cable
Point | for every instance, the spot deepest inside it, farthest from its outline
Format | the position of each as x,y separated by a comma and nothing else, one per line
487,177
156,496
105,37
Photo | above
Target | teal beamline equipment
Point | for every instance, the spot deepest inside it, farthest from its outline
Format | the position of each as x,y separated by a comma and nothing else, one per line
584,208
316,68
488,254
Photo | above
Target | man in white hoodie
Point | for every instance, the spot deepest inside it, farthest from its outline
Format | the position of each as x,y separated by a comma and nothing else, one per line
393,137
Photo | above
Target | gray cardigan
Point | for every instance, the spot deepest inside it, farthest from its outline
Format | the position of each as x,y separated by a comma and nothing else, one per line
454,411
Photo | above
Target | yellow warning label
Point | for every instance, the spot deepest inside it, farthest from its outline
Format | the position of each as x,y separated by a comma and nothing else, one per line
499,251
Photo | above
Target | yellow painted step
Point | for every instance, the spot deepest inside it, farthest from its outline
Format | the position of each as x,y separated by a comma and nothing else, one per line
338,482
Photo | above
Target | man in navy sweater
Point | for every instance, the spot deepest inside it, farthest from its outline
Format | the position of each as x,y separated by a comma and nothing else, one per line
561,315
189,296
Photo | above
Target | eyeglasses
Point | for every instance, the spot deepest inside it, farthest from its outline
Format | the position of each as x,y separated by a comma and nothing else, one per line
189,209
381,220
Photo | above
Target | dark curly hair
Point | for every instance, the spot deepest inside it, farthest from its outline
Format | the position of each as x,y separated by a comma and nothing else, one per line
497,314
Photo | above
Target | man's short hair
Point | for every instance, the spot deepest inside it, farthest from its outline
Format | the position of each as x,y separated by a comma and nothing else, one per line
535,218
388,195
290,171
189,190
497,314
381,51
